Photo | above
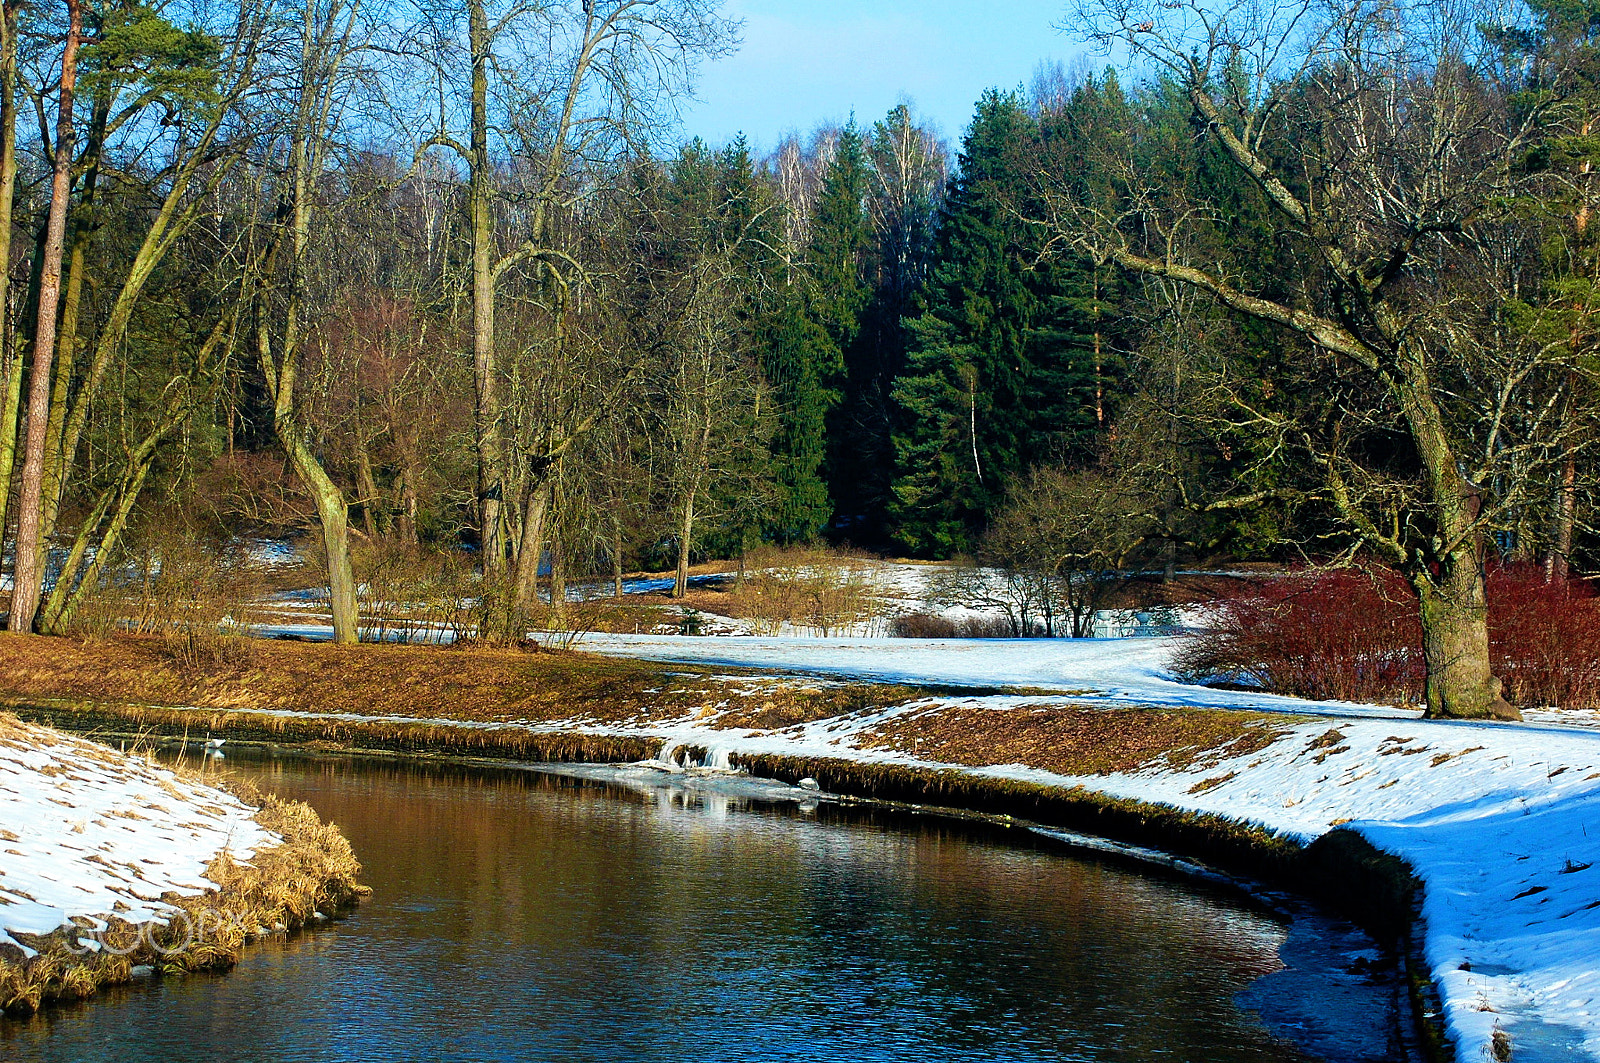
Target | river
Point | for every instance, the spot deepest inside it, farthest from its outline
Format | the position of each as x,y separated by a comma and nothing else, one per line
525,915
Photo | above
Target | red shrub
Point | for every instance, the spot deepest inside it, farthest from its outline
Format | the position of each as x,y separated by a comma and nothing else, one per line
1344,634
1545,638
1353,634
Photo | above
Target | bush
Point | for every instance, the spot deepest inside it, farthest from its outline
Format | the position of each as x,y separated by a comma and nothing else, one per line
1354,635
1545,638
1328,634
922,626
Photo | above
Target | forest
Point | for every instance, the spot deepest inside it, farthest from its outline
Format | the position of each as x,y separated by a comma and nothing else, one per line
1305,283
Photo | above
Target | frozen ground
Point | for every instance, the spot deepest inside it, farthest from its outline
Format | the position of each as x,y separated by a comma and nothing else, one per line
88,832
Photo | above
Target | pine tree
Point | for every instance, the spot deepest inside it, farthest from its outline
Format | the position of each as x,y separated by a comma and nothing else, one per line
815,320
790,342
907,166
999,376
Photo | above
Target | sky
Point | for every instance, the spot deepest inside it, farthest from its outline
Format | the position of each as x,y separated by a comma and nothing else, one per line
809,61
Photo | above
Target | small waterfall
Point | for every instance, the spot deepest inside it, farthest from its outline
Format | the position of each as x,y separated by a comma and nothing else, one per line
678,756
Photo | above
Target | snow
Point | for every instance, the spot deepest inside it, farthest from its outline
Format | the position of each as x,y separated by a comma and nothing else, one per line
87,832
1097,671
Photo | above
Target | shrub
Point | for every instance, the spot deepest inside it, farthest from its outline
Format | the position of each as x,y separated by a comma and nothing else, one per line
1339,634
1354,635
1545,638
922,626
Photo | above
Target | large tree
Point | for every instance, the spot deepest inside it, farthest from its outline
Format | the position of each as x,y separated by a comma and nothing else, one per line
1376,136
999,376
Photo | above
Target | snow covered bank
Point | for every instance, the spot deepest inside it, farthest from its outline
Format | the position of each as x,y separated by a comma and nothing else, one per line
110,863
1492,817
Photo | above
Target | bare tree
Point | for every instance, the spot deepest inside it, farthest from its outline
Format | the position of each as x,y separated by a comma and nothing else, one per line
280,280
1371,133
591,76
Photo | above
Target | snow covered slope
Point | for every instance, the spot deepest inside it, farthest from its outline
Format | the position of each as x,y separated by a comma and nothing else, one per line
87,831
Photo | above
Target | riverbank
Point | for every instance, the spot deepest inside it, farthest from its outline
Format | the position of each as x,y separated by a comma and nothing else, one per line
112,868
1490,818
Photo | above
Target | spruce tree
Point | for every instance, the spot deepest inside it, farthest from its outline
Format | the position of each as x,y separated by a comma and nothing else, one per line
999,375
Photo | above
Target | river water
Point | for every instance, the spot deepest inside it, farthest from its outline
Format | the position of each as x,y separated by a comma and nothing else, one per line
522,915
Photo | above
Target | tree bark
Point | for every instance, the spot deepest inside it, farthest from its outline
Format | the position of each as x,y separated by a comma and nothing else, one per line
485,365
1455,645
28,573
680,585
525,591
10,350
616,555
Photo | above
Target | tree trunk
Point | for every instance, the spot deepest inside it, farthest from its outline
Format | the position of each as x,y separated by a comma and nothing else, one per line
1556,565
485,367
680,585
374,516
10,409
1451,591
406,521
28,573
1455,644
558,582
526,589
10,350
77,254
616,555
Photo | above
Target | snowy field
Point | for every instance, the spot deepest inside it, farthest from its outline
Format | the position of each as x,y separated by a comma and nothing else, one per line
87,833
1098,671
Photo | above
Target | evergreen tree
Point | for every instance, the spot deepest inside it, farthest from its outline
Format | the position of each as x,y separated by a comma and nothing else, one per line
816,318
907,166
791,343
999,376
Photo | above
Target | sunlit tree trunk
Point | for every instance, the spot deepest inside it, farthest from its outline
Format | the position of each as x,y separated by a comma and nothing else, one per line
28,574
10,350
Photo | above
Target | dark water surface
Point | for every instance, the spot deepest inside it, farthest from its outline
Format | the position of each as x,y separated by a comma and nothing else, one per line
525,916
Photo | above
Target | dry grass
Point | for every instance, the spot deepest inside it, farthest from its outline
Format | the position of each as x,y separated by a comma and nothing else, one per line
1074,739
774,705
476,684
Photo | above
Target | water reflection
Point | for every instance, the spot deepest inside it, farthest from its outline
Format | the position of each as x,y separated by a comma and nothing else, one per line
523,916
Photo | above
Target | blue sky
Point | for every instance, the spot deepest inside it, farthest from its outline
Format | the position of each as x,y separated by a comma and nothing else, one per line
808,61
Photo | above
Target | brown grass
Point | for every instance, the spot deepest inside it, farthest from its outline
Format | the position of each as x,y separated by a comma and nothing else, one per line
128,684
1075,739
480,684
